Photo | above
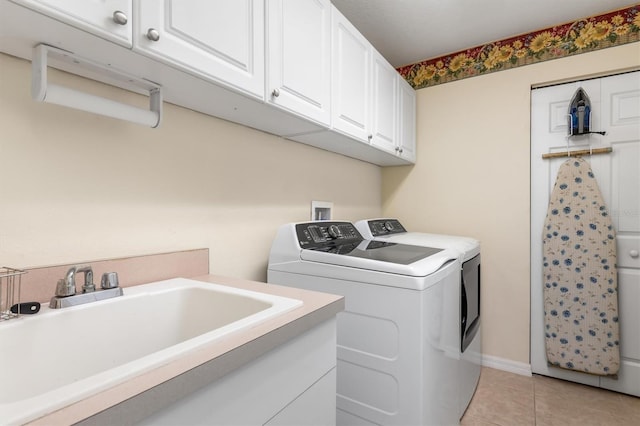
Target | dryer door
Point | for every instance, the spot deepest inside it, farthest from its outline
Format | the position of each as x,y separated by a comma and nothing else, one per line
470,301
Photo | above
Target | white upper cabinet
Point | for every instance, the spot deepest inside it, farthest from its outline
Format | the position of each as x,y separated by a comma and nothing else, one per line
384,103
109,19
220,40
351,79
294,68
371,102
298,57
406,143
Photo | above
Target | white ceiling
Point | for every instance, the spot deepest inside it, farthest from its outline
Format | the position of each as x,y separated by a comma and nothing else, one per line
410,31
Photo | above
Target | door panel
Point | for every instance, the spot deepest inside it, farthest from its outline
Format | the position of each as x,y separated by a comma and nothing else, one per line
225,35
222,41
385,98
407,120
351,86
94,16
298,58
629,375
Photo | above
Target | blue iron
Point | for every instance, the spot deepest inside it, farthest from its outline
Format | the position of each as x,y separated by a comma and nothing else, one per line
580,114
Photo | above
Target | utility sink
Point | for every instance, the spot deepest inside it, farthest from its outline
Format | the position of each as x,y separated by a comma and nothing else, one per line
60,356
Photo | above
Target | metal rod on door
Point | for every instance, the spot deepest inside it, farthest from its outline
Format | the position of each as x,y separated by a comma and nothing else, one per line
577,153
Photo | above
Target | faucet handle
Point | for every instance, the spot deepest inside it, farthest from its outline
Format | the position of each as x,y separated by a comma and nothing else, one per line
67,285
109,280
65,288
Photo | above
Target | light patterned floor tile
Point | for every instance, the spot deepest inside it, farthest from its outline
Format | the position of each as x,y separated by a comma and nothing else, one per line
506,399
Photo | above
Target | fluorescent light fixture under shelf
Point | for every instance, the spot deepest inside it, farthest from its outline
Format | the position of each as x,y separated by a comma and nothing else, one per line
60,95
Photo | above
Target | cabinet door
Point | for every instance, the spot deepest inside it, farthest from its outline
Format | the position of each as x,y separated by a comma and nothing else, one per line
351,82
316,406
406,120
384,104
220,40
298,59
109,19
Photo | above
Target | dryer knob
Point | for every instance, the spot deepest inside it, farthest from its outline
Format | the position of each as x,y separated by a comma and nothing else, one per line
334,231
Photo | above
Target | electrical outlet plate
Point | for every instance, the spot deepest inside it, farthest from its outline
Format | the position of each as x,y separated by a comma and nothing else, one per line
321,210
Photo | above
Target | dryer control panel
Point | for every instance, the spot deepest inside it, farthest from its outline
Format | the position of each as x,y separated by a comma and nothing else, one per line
322,234
381,227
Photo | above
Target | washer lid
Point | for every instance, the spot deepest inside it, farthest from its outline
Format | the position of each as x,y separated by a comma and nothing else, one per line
468,246
382,256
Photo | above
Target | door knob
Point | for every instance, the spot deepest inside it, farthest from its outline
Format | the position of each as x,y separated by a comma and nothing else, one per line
275,93
120,18
153,34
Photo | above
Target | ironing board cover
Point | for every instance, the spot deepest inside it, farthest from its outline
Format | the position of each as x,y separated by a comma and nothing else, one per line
580,276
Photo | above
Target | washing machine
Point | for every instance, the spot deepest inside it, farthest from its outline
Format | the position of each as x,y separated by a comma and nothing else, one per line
470,336
397,339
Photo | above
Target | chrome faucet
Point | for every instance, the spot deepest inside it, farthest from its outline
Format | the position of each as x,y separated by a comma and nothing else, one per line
88,286
66,288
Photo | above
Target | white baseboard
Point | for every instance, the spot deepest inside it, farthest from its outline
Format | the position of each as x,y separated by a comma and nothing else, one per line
504,364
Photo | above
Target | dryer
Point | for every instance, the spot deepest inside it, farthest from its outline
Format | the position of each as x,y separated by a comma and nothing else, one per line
470,336
397,341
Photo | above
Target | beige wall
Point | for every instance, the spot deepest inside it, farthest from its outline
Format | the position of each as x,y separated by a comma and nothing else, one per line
76,186
472,178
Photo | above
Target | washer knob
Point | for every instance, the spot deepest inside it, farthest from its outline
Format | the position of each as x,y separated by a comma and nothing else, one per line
388,226
334,231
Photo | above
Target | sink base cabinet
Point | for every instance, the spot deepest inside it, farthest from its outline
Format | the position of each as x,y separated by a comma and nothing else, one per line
316,406
294,384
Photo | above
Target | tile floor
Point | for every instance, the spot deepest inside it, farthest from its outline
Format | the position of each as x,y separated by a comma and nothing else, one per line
506,399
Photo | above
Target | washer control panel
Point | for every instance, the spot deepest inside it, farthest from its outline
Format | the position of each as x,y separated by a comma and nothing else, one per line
319,234
381,227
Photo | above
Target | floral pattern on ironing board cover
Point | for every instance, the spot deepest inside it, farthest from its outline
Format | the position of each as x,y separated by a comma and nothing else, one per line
580,275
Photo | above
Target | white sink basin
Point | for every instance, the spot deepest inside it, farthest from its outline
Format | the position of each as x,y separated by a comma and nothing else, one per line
59,356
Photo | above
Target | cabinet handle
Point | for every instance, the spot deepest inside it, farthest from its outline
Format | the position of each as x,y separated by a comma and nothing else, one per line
634,254
120,18
397,149
370,137
275,93
401,150
153,34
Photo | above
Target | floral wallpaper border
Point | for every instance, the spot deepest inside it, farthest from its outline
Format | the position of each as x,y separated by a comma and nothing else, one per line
586,35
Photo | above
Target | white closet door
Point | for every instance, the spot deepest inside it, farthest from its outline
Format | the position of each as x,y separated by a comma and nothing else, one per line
615,105
621,119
